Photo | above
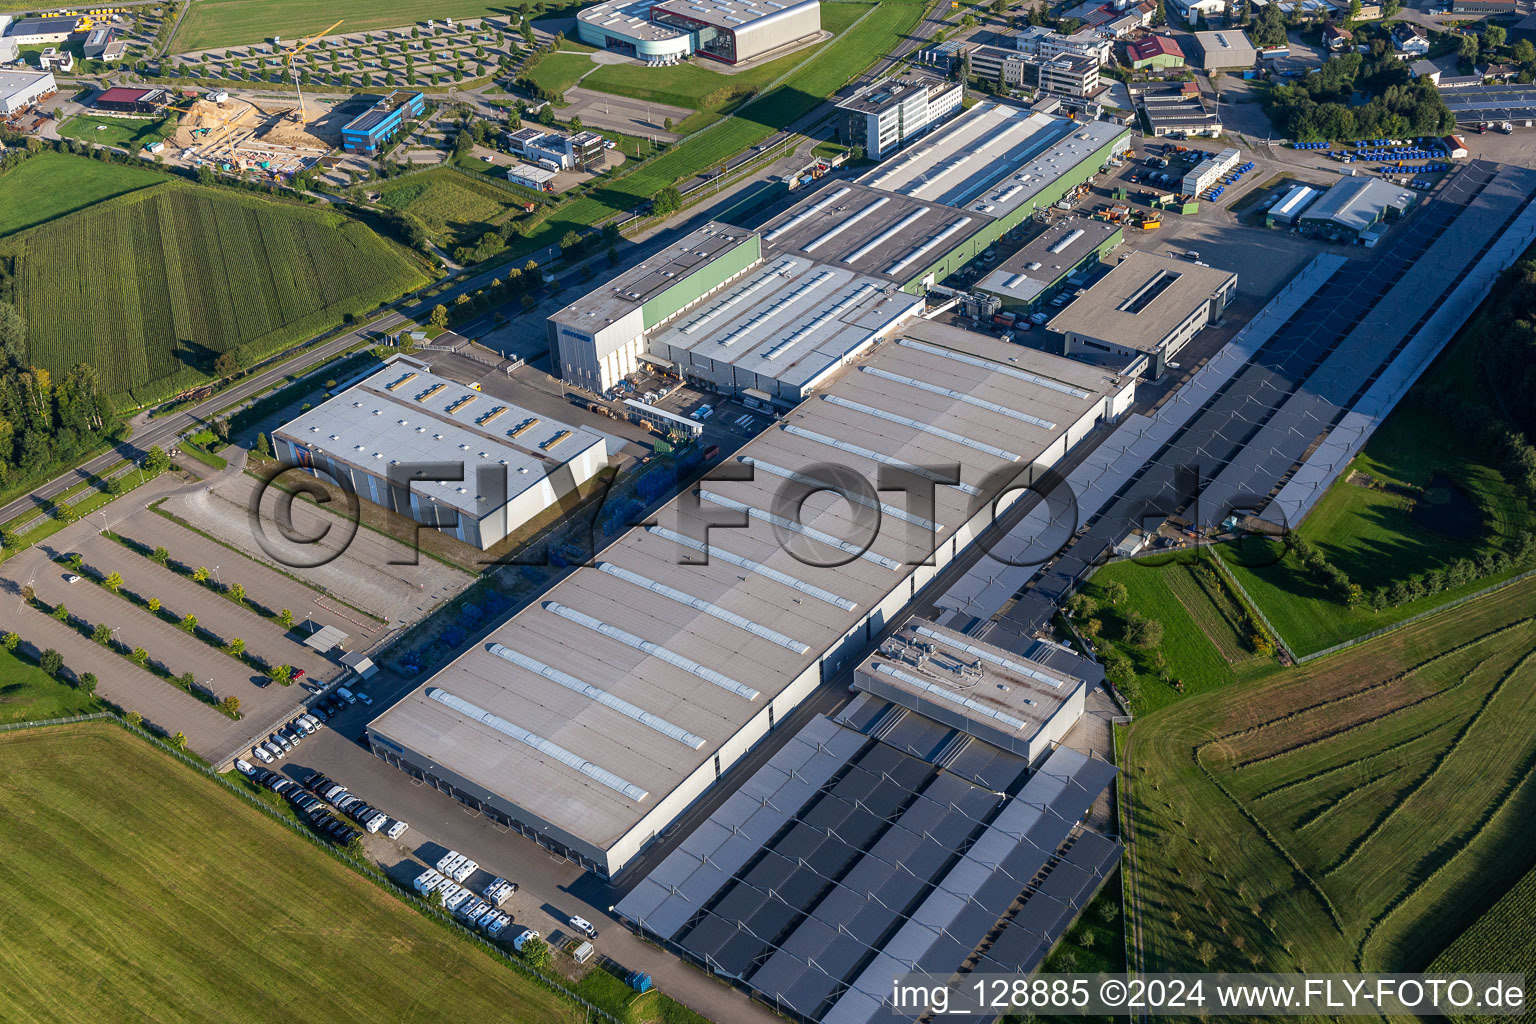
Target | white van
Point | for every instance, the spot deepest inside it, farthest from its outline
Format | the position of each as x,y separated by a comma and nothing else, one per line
346,695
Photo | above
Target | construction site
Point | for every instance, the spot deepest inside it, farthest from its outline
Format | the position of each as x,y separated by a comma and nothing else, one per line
270,136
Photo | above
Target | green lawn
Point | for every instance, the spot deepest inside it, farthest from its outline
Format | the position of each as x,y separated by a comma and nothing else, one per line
215,23
28,694
177,274
178,901
559,71
50,185
130,133
1356,813
1204,639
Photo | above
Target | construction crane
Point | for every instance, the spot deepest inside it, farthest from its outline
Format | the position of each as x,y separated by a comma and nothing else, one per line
294,52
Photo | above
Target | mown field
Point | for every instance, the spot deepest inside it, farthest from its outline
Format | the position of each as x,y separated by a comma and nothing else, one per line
28,694
1503,939
161,896
1204,644
454,209
559,71
152,286
50,185
130,133
1358,812
214,23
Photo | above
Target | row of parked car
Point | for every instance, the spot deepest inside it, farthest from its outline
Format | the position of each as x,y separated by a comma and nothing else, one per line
282,742
311,807
371,818
483,911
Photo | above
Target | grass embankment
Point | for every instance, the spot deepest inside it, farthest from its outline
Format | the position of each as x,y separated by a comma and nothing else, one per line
1358,812
151,287
211,24
179,901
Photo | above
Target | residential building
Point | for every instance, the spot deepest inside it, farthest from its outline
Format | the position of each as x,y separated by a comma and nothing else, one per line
1155,52
56,60
1409,40
1148,305
1337,39
888,114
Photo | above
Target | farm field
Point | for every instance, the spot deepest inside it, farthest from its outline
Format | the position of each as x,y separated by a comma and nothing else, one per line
455,209
879,30
50,185
178,274
1356,813
1502,939
28,694
215,23
180,901
1204,644
130,133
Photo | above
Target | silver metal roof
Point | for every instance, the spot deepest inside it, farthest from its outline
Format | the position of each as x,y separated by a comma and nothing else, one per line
992,159
1046,257
630,17
404,414
1141,301
704,647
882,234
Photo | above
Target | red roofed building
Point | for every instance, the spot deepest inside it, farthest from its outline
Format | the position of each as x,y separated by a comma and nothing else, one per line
1155,52
131,101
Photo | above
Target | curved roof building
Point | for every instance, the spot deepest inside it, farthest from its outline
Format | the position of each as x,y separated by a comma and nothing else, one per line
732,31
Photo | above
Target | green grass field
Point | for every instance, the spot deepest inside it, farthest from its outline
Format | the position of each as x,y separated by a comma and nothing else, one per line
1357,813
50,185
215,23
178,901
455,209
28,694
130,133
177,274
559,71
1204,643
1367,524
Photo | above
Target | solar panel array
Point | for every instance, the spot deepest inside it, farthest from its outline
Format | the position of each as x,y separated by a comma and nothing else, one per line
906,850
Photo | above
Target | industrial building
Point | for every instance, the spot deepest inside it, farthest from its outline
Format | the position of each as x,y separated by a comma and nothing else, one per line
1290,206
1069,75
123,100
1226,50
901,228
595,716
1357,209
556,151
381,122
731,31
1005,699
512,464
886,115
1209,171
42,31
102,44
10,53
1001,161
541,179
1046,263
20,89
1149,305
1176,110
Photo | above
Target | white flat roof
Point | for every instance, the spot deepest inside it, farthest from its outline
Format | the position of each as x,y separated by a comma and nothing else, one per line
630,17
992,159
403,414
702,648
